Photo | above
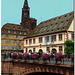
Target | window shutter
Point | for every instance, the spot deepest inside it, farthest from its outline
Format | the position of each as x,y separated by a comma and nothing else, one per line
50,39
45,41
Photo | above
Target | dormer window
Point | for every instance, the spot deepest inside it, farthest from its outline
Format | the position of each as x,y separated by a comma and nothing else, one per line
14,32
55,19
51,24
59,17
13,26
66,20
41,32
18,27
8,31
46,21
47,30
62,21
49,20
52,29
58,28
70,14
65,15
7,26
56,23
63,27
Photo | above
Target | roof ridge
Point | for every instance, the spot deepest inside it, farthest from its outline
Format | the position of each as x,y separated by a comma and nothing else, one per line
48,28
12,24
55,17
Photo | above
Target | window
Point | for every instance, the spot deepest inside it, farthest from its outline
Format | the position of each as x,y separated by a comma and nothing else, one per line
72,36
8,41
6,35
26,50
60,37
15,42
14,32
47,48
60,48
20,47
1,40
33,50
20,42
47,38
14,36
8,31
30,41
5,47
12,47
54,38
34,41
19,37
26,42
1,36
1,46
16,47
40,39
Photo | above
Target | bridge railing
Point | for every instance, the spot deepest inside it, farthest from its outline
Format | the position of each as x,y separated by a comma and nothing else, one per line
45,58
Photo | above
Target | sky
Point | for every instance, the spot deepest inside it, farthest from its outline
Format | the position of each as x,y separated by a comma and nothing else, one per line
11,10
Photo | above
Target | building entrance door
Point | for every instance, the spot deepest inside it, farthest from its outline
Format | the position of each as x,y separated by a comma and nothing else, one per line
54,50
30,51
40,53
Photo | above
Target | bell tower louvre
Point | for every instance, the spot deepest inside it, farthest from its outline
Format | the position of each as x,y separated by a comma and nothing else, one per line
27,22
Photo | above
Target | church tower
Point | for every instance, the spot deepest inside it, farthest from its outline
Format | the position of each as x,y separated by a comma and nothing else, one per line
25,12
27,22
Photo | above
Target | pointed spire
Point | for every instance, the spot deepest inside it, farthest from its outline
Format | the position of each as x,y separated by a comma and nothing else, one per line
25,0
25,4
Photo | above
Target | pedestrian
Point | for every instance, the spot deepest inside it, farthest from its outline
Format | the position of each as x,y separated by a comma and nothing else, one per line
10,55
48,52
68,57
30,55
6,55
52,56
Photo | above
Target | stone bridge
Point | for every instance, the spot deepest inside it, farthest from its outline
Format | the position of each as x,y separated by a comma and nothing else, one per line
21,67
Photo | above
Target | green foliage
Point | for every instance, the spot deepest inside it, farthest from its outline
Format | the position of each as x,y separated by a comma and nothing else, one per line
69,46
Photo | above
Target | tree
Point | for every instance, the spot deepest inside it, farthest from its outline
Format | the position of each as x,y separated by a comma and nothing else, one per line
69,46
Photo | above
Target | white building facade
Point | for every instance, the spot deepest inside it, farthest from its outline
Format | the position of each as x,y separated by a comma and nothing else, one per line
52,42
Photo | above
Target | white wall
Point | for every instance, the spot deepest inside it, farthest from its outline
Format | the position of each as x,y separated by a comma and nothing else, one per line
37,44
43,43
71,28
